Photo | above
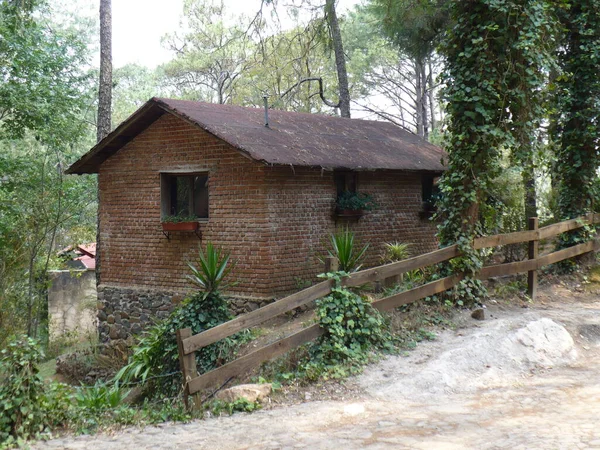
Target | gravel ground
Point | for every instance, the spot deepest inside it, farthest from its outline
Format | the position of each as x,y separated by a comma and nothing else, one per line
521,379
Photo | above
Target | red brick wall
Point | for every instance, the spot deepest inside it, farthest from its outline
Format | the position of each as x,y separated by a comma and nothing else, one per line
301,204
134,252
274,220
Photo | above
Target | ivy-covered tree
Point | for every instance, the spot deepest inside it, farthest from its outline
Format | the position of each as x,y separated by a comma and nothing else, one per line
577,119
490,65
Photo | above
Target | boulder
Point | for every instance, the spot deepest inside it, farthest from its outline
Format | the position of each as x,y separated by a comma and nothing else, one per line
251,392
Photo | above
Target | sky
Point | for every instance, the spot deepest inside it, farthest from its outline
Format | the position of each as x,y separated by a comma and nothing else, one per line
138,26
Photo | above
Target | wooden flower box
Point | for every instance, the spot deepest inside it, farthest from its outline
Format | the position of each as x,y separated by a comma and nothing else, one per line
180,226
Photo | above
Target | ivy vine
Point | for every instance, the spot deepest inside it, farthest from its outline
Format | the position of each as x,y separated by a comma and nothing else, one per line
492,54
577,109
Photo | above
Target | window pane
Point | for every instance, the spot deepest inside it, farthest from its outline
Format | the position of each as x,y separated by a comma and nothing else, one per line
201,196
180,196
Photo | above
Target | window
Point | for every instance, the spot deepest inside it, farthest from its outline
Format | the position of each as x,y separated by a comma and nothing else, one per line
345,181
184,195
429,191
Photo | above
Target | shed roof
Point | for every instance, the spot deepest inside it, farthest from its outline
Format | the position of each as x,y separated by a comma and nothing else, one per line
296,139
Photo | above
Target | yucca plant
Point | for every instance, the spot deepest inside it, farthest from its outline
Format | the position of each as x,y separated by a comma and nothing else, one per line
213,267
155,358
344,250
395,251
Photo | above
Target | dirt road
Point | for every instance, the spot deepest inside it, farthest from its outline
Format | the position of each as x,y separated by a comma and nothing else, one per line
515,380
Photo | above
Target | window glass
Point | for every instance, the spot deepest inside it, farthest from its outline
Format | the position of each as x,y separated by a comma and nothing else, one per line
345,181
201,195
185,195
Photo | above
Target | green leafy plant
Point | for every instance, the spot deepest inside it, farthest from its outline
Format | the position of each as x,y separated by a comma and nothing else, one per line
343,248
395,251
218,407
100,396
213,267
179,219
353,328
21,391
355,201
155,358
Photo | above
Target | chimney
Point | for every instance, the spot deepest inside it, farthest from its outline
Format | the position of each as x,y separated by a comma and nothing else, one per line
265,97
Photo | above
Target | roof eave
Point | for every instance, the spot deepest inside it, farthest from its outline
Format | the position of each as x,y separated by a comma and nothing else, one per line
141,119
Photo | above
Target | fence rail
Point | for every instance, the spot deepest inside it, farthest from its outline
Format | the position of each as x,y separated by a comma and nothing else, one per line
188,344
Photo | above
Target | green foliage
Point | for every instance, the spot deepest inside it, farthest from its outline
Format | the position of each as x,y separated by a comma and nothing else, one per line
355,201
576,117
213,268
353,328
484,91
218,407
100,396
179,219
44,94
212,57
343,248
395,251
21,390
155,358
41,90
415,27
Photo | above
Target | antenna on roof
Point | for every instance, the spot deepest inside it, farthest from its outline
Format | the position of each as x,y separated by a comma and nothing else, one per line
265,99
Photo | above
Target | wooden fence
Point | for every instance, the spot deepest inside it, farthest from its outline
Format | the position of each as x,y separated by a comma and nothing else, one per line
188,344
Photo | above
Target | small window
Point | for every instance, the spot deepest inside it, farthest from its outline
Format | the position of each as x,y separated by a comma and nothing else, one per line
184,195
429,191
345,182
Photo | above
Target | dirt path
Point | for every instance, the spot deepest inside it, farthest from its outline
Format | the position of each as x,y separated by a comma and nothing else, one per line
515,380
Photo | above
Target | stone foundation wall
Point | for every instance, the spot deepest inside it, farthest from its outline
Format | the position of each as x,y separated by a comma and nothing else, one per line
127,311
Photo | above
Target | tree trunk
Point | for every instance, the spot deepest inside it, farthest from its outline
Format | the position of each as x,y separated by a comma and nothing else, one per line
340,58
528,175
431,95
419,99
424,99
104,100
105,84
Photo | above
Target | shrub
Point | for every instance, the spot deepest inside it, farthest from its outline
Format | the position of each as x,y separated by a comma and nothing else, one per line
213,268
21,391
353,328
355,201
343,249
155,358
395,251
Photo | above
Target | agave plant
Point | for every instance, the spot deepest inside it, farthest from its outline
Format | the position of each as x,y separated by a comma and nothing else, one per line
395,251
213,267
343,249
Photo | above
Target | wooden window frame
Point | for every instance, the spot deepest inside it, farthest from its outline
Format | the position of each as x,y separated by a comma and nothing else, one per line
350,178
166,182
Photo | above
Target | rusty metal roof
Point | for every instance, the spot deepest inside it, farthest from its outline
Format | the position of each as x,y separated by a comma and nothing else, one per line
296,139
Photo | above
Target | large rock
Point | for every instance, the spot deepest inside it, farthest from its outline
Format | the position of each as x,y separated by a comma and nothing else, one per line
251,392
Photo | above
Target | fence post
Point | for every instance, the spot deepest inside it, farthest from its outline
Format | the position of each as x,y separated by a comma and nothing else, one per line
532,275
187,363
331,264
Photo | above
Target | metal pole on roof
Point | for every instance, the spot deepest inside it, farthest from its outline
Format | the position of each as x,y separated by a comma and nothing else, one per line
265,99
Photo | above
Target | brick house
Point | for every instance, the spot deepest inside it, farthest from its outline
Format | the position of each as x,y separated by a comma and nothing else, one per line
265,193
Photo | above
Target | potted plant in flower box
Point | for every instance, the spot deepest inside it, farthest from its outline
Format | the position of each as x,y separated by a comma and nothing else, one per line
353,204
180,223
